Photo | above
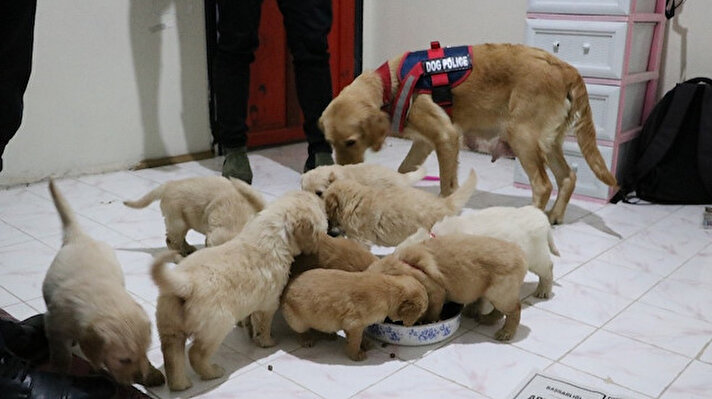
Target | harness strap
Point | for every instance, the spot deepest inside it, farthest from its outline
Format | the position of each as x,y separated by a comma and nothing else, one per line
441,94
384,72
404,97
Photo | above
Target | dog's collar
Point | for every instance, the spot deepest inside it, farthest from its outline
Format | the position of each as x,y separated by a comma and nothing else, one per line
384,72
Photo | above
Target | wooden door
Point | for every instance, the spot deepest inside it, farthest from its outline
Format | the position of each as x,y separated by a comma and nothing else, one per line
274,116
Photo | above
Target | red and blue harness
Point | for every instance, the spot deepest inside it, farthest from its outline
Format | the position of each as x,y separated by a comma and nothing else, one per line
435,71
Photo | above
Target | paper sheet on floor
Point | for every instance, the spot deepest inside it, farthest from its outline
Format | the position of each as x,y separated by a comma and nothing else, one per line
540,386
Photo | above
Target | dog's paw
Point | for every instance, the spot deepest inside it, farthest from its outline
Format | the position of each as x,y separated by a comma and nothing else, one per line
154,378
358,356
215,371
264,342
555,219
180,385
503,335
541,293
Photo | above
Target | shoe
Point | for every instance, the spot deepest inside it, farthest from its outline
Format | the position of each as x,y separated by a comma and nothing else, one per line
26,339
318,159
237,164
18,380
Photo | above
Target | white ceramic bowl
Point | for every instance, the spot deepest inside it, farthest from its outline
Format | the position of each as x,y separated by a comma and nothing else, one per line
424,334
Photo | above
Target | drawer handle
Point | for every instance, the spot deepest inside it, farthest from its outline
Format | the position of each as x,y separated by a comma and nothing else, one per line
586,48
556,45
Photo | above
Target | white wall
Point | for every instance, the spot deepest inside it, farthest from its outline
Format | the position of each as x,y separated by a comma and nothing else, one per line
113,83
395,26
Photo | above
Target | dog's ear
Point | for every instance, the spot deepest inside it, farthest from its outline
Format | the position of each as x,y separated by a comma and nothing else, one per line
410,310
306,236
92,343
376,127
332,177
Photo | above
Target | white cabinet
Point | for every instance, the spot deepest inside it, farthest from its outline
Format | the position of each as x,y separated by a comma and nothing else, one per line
592,7
616,46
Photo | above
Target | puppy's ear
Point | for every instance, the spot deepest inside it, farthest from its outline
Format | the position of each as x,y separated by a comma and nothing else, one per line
332,177
92,343
331,203
306,236
409,311
376,127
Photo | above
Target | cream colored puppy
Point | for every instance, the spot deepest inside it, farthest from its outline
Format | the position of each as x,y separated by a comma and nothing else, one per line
318,179
462,268
87,303
527,227
388,216
333,300
212,289
214,206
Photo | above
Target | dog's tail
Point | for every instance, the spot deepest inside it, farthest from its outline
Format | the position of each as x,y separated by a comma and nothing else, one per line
585,130
253,197
416,175
71,227
550,240
459,198
169,280
147,199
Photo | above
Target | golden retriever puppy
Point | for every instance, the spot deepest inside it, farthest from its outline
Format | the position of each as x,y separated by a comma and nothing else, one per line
318,179
388,216
214,206
333,300
210,290
335,253
524,97
527,227
87,303
462,268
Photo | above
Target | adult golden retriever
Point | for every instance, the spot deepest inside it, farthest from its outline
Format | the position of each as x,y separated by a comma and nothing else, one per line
521,96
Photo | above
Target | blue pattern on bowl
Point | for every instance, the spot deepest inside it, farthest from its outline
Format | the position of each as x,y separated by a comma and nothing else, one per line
416,335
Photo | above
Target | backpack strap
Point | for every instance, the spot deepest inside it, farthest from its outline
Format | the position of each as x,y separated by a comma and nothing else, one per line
704,146
668,130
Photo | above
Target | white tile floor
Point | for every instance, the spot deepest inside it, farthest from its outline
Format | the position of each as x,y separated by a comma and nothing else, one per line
631,312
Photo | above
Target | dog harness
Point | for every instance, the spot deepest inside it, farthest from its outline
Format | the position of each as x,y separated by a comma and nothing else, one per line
435,71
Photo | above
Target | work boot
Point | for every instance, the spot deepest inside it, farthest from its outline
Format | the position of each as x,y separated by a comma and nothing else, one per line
318,159
26,339
237,164
18,380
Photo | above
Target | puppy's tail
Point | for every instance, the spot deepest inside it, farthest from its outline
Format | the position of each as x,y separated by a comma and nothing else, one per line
253,197
459,198
416,175
147,199
552,246
69,220
169,280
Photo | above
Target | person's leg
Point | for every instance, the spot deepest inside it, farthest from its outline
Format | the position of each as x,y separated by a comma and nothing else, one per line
238,23
308,23
17,26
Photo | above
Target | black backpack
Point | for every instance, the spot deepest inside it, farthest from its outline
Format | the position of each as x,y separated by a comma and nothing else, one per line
673,160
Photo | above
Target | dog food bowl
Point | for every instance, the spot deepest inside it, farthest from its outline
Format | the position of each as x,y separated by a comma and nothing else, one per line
417,335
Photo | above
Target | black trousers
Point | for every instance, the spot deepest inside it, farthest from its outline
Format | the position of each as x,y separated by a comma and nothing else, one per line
17,25
307,23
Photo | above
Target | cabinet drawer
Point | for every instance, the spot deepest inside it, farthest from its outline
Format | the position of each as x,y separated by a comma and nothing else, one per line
591,7
586,182
605,101
595,48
